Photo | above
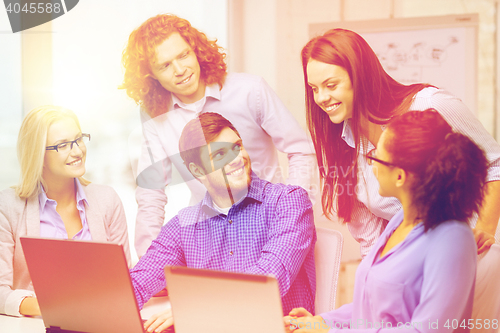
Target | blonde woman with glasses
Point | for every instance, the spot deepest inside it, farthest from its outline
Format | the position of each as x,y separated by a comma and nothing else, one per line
52,200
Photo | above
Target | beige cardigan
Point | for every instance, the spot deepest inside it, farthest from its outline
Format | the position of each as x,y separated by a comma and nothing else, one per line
20,217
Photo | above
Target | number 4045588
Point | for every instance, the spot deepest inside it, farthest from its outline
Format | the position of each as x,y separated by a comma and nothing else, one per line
34,7
472,323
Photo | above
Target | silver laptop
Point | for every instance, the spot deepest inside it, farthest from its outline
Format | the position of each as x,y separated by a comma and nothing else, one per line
82,286
219,302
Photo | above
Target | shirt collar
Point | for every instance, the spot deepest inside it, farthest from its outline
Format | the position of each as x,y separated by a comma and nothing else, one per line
347,135
80,196
80,193
212,91
255,192
42,199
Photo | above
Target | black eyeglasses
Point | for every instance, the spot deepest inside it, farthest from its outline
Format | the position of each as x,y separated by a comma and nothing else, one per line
68,146
370,158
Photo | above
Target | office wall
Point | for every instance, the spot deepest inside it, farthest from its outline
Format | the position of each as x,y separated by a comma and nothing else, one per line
275,44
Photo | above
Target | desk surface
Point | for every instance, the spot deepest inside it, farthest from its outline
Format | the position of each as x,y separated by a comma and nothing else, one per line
35,324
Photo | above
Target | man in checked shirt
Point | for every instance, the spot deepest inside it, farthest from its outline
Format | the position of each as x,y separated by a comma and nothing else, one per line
244,224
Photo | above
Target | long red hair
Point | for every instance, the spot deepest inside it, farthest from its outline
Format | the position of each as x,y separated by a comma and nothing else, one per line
141,49
377,97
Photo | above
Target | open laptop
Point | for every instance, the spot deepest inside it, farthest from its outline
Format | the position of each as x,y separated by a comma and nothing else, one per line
82,286
222,302
85,286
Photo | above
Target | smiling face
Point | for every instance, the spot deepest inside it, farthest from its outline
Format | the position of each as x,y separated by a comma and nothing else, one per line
59,166
332,89
226,168
177,69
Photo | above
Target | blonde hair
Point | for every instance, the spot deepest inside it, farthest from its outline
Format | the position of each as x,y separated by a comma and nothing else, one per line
31,147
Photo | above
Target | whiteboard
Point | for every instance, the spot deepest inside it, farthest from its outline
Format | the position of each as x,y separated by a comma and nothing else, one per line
440,50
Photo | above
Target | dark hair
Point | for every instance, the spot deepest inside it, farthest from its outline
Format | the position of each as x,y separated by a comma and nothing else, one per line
198,133
376,97
141,49
449,169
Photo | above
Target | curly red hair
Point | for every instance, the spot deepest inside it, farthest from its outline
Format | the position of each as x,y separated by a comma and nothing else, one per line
141,49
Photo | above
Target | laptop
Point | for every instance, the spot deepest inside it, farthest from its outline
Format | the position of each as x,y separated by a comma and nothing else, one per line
82,286
223,302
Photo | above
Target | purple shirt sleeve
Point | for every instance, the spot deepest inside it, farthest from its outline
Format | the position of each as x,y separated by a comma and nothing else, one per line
148,276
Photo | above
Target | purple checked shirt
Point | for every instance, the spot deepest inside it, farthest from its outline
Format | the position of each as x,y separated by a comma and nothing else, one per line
271,231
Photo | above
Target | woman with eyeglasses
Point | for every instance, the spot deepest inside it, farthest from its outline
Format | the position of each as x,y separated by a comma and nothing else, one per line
349,101
419,276
52,200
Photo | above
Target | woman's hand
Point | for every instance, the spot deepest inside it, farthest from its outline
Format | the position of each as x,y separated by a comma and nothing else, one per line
29,307
292,317
309,324
300,312
289,328
484,240
159,321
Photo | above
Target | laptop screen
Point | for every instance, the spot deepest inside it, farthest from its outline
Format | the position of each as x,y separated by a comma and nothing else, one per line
82,286
216,302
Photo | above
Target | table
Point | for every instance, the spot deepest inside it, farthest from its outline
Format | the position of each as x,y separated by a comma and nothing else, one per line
9,324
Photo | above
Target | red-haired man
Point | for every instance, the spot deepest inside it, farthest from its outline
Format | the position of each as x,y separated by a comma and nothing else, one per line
174,73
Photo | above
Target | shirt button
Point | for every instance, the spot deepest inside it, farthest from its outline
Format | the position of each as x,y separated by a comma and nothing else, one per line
230,253
230,221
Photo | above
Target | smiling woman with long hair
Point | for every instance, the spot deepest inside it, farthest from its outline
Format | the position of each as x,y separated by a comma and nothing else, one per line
52,200
349,101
